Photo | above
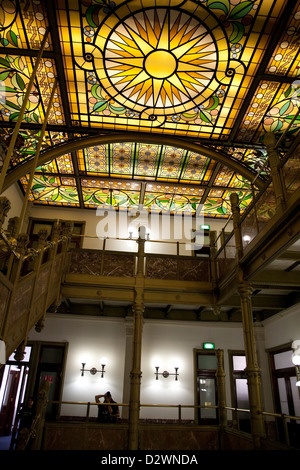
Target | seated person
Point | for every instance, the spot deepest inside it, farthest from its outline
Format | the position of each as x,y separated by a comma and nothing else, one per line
107,413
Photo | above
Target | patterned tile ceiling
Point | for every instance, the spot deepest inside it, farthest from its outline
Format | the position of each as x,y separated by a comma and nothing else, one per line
158,105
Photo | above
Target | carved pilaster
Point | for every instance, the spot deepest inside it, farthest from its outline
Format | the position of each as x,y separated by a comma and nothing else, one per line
252,370
141,250
234,201
220,374
43,234
135,374
22,242
68,229
12,227
56,231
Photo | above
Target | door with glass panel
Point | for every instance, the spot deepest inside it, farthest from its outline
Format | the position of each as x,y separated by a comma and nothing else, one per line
286,395
240,395
50,368
207,388
13,385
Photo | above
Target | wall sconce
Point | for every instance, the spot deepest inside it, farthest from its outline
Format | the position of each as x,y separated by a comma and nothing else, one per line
296,359
247,239
93,370
165,373
296,353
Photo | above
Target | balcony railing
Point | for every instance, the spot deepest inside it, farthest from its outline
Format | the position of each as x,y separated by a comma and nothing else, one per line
161,260
279,427
258,214
29,284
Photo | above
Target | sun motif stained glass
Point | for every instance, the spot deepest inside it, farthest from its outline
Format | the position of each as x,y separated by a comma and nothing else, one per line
216,75
159,60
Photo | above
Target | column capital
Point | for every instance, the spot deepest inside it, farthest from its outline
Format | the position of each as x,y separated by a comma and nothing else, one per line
12,227
245,289
42,238
253,372
235,207
22,242
56,231
270,140
234,200
138,308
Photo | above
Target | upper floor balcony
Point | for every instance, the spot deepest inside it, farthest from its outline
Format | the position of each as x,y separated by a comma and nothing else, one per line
260,244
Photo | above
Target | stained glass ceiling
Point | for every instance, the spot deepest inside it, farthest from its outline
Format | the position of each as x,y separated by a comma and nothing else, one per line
161,105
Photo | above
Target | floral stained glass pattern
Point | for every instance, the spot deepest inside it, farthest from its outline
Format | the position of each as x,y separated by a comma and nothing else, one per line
52,190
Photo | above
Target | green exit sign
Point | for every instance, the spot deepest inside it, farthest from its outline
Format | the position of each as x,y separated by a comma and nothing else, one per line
208,345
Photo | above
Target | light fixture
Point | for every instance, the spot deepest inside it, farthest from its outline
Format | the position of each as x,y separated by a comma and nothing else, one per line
93,370
296,359
296,353
165,373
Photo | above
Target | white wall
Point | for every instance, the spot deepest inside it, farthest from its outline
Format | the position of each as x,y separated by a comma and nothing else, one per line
164,344
283,327
13,194
118,225
167,344
90,339
279,330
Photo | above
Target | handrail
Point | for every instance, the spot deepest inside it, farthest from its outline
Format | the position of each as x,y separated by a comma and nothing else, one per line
280,415
249,208
228,408
162,405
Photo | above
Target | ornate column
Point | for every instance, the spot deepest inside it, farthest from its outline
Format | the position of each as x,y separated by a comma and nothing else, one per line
252,369
234,201
136,373
253,372
135,376
220,374
128,364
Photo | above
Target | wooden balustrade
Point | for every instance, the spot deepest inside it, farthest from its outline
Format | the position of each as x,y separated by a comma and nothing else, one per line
30,280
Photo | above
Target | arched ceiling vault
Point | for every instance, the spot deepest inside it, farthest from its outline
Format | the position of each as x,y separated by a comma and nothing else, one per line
59,150
163,105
